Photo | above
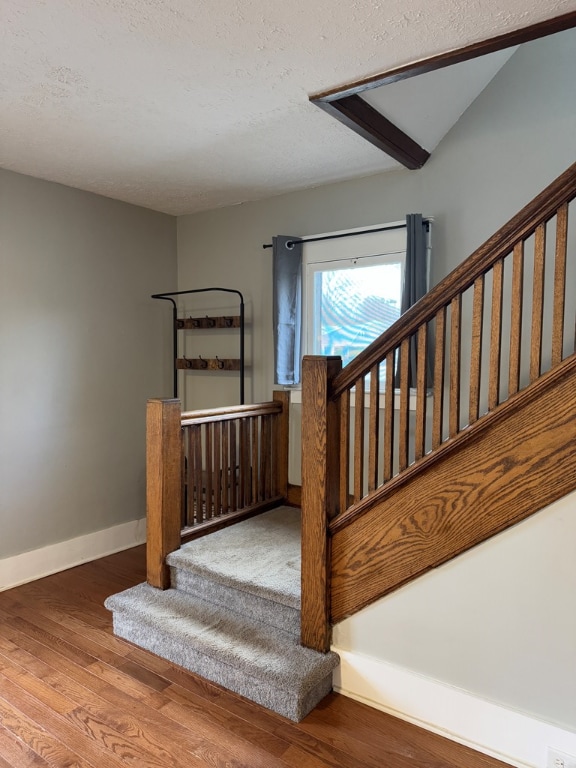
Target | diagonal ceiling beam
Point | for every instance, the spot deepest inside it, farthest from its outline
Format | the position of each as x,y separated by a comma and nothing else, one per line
362,118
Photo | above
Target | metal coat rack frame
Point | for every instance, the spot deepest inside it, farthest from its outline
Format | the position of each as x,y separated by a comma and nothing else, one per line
201,363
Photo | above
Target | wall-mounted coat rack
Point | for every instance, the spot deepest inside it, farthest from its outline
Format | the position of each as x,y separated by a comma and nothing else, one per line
191,323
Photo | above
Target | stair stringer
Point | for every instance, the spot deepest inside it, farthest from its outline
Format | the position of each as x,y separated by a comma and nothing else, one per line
507,466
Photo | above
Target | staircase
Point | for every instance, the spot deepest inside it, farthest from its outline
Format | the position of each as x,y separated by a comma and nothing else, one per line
233,615
386,494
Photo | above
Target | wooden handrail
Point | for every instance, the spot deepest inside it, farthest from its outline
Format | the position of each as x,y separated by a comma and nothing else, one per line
538,211
230,412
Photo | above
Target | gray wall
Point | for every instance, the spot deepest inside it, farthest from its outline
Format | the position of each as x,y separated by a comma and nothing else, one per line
475,614
82,346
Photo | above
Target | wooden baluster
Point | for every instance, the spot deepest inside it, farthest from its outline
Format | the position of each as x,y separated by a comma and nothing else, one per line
266,457
320,466
281,444
517,300
476,352
184,475
373,428
388,467
537,303
559,285
438,406
359,440
403,416
244,459
455,346
209,512
233,469
344,473
226,473
420,432
495,336
191,477
163,481
199,467
255,463
217,469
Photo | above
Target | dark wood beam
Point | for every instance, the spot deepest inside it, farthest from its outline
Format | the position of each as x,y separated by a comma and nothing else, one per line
480,48
362,118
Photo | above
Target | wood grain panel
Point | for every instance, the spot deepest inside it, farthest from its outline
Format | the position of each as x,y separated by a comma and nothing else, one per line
505,468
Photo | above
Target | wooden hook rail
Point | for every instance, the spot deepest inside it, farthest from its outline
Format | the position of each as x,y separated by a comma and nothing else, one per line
193,323
208,364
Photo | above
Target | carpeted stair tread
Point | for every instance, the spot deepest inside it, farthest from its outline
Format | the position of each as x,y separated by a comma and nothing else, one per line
265,664
260,556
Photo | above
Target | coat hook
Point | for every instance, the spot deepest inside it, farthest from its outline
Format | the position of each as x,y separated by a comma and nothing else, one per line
187,363
195,322
203,363
211,322
220,363
228,322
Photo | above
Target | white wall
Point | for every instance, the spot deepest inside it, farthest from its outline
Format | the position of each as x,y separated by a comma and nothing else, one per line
498,622
82,346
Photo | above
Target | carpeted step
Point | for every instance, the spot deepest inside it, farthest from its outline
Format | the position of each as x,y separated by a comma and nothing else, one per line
265,664
252,568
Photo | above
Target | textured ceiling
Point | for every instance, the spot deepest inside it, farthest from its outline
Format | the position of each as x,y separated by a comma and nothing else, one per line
184,106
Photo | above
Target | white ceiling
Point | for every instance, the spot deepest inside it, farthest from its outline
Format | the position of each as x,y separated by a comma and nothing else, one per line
183,106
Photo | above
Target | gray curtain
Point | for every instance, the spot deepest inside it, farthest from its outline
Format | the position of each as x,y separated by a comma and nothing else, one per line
415,284
287,308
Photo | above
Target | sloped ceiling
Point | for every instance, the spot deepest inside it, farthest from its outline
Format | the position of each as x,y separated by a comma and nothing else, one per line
182,107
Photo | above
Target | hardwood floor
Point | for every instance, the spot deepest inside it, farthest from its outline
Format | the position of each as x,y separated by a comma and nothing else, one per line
74,696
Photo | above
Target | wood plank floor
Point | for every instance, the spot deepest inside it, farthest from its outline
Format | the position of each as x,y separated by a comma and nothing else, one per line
74,696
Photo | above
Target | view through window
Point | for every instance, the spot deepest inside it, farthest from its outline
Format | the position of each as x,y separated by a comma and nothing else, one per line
353,291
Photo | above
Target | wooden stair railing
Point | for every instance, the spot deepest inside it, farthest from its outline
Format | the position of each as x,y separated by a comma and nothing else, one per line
208,469
496,326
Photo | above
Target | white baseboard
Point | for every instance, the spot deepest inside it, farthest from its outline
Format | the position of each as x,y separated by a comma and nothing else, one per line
38,563
510,736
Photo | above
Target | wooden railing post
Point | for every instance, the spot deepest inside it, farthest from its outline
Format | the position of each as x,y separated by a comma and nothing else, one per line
320,494
282,437
163,487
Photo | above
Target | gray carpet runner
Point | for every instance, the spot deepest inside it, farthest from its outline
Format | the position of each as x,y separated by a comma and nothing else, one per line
233,615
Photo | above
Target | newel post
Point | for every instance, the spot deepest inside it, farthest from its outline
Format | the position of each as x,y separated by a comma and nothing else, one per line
163,487
320,464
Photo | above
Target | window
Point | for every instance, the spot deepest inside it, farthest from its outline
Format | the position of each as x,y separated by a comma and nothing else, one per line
352,290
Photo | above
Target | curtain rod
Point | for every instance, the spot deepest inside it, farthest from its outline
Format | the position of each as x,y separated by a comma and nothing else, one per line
290,243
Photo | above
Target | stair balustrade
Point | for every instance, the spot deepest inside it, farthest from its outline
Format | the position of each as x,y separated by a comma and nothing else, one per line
489,331
207,469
